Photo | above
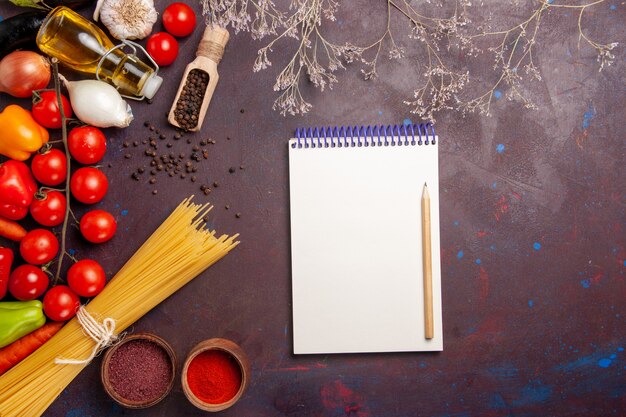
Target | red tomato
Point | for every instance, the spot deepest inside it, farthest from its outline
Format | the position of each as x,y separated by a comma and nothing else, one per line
89,185
28,282
46,109
98,226
179,19
39,246
50,210
60,303
87,144
163,48
86,278
50,168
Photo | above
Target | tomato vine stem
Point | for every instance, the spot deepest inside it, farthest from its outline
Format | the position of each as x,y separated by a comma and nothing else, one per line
57,89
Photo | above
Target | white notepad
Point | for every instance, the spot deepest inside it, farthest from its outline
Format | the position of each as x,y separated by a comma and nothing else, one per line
356,239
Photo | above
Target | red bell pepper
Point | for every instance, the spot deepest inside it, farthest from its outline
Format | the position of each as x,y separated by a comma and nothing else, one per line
17,189
6,259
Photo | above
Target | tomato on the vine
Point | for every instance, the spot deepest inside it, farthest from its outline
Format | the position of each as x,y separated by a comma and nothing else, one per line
46,109
89,185
39,246
163,48
179,19
87,144
50,167
49,208
28,282
86,278
60,303
98,226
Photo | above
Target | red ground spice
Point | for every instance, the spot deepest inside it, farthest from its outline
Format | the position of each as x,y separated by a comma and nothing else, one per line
140,370
214,376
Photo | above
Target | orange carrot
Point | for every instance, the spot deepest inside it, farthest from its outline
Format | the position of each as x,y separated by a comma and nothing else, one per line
12,354
11,230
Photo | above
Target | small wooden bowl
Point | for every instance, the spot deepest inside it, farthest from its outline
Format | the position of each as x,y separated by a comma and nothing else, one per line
104,370
234,351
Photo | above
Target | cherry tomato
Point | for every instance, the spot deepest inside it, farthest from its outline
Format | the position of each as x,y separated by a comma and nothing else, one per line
98,226
86,278
50,168
39,246
49,210
87,144
89,185
179,19
46,109
163,48
28,282
60,303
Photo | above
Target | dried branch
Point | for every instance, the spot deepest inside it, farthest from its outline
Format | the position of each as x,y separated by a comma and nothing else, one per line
440,84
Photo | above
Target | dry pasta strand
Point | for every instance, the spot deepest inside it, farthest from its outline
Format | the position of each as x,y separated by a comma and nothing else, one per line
179,250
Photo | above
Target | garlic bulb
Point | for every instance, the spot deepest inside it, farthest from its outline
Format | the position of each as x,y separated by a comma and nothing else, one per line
127,19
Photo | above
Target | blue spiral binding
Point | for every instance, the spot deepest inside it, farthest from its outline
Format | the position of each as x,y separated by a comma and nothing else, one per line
365,136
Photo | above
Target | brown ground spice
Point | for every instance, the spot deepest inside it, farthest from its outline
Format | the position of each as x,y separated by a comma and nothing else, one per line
140,370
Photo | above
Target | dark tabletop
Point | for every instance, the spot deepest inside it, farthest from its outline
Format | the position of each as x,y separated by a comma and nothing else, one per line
532,236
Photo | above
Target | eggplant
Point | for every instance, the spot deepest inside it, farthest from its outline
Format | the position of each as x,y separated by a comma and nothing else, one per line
51,4
20,32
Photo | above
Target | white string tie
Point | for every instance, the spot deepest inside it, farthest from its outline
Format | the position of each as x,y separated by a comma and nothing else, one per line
101,333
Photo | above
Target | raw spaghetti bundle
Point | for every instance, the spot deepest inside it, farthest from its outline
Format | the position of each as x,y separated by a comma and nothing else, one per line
177,252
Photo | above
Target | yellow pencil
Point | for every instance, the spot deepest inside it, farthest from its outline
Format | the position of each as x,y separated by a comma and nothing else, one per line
428,266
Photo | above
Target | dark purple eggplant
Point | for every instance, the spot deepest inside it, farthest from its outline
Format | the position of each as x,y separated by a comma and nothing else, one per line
20,32
51,4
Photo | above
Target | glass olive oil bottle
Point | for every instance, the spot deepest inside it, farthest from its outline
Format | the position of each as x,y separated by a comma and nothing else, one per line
83,46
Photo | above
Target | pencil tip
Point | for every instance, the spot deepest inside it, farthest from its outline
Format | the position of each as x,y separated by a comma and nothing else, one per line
425,185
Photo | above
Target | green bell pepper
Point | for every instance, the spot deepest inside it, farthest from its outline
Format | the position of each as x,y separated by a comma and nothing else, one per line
18,318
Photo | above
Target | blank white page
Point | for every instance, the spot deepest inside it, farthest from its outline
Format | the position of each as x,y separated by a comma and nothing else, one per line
356,248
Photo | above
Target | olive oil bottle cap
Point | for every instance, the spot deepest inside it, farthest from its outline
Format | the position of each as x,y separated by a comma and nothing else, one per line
151,86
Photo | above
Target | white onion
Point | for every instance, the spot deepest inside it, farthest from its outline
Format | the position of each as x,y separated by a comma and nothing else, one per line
98,104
